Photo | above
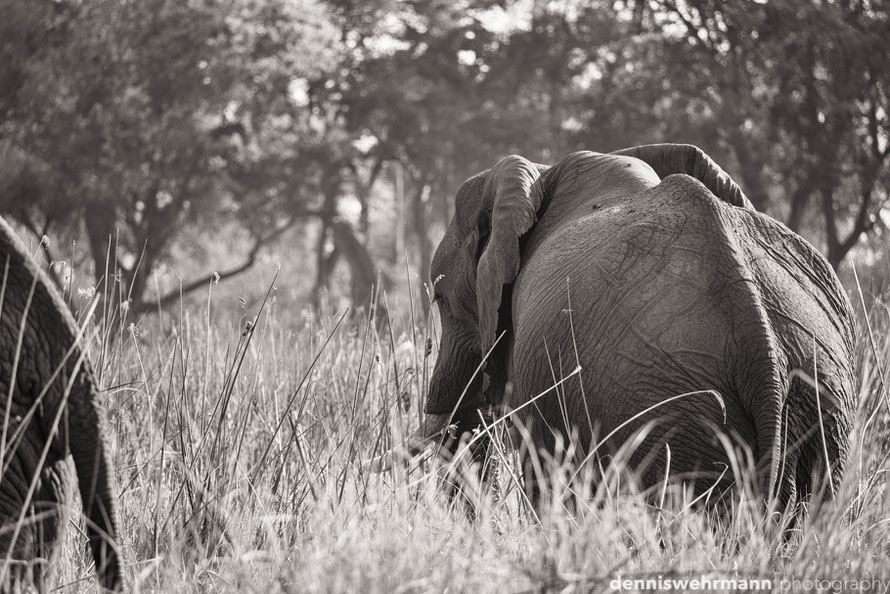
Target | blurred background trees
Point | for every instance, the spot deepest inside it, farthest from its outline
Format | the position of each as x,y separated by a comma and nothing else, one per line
332,134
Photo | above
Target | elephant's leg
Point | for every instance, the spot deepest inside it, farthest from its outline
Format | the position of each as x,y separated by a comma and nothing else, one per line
468,459
531,481
811,319
542,454
814,424
32,551
456,478
530,463
18,540
52,505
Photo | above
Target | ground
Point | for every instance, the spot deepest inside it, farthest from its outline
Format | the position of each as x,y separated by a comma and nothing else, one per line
238,461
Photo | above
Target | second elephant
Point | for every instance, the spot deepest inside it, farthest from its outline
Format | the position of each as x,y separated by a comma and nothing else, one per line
49,417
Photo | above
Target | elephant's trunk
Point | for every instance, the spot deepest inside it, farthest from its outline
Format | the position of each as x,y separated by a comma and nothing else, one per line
86,442
432,427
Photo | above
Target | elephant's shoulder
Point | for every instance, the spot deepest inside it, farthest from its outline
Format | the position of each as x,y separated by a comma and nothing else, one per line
685,187
679,193
760,240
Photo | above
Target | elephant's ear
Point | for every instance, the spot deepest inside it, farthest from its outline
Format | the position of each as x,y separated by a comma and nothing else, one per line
515,198
667,159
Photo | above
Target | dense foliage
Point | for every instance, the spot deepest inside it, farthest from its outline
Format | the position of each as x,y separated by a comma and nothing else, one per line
138,122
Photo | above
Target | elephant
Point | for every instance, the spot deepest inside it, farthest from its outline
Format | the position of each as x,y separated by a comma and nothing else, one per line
689,317
49,416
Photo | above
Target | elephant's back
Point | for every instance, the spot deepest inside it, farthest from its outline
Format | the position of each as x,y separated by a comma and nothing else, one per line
643,264
655,294
48,333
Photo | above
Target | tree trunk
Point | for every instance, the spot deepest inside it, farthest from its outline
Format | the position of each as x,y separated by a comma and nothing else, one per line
100,225
799,199
398,248
751,172
324,263
419,226
136,279
835,249
363,273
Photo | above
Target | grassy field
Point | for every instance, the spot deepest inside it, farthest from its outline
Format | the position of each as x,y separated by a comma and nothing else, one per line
238,443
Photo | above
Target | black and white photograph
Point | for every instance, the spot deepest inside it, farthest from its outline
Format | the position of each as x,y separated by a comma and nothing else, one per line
444,296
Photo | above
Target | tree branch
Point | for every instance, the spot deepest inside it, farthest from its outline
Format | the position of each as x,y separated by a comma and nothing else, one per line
862,225
215,276
172,296
830,222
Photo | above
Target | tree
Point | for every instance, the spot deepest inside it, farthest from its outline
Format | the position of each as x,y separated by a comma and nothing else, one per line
832,109
141,121
435,90
128,123
794,91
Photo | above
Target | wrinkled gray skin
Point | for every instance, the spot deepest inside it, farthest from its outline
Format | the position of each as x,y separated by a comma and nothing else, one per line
47,347
676,285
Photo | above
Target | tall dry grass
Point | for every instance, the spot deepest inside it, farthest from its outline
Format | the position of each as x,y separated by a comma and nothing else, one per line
238,436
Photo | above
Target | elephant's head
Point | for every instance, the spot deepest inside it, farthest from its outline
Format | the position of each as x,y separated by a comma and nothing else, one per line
478,258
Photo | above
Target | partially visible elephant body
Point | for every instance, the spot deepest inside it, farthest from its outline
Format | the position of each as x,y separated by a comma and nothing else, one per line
668,290
51,420
656,285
